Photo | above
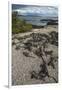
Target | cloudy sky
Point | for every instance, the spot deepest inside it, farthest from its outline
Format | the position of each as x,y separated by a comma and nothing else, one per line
35,10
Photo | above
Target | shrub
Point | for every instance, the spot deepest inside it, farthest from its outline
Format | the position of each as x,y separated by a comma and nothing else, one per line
19,26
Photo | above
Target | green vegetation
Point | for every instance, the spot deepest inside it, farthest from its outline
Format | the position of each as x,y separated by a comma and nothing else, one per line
19,26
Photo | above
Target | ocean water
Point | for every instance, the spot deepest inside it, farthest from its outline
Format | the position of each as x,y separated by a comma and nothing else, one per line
37,20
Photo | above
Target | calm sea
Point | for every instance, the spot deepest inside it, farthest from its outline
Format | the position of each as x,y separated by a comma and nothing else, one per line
37,20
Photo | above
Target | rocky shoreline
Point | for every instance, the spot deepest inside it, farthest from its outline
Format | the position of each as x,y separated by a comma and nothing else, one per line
36,54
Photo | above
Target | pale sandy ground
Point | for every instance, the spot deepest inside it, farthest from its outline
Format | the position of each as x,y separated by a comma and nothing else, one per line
22,66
